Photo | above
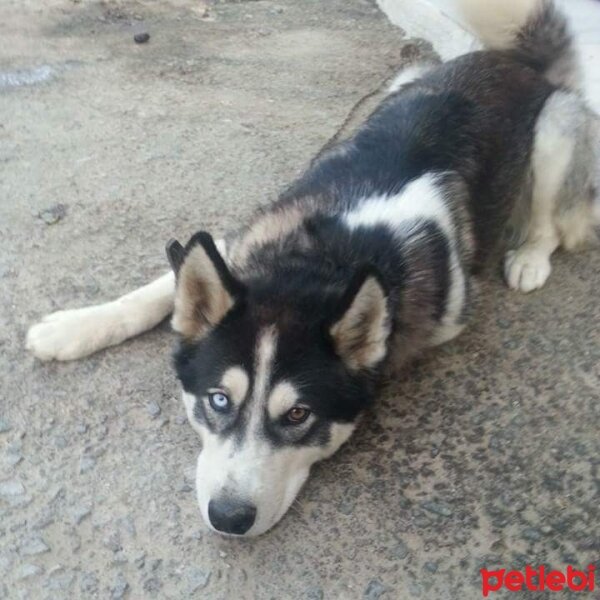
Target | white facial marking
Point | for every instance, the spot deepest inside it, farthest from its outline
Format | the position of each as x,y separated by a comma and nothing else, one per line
189,401
283,397
265,353
236,382
268,477
253,470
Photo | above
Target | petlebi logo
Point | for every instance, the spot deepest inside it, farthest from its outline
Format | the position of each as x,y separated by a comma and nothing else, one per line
538,580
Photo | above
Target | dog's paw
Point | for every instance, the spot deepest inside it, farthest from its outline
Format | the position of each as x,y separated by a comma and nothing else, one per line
70,334
527,268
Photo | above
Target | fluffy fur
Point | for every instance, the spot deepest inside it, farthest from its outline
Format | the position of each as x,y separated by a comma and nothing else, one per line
367,259
534,30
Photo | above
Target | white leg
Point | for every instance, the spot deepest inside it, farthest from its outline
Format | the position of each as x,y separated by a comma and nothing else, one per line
72,334
527,268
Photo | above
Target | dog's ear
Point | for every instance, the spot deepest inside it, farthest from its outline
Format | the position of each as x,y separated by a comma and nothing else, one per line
362,324
205,288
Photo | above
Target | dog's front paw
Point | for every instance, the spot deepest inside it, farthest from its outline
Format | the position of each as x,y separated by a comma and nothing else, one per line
527,268
69,334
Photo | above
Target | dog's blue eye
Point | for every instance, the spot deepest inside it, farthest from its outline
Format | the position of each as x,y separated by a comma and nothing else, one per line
219,401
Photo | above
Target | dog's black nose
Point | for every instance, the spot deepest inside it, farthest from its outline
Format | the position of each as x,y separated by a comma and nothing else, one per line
231,516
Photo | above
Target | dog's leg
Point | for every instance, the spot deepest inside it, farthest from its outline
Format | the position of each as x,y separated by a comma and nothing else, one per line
528,267
72,334
564,166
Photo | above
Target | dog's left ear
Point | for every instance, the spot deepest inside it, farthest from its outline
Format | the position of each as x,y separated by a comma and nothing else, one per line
205,288
362,325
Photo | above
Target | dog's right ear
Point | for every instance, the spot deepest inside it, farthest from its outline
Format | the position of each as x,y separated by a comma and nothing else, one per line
205,288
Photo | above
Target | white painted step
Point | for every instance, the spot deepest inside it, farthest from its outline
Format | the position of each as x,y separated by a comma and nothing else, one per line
439,22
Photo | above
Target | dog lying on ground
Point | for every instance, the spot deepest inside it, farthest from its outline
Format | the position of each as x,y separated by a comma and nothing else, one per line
370,257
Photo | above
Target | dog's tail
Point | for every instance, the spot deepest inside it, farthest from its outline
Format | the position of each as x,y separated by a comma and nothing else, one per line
534,30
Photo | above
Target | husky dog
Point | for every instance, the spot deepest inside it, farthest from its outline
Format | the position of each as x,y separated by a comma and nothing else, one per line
370,257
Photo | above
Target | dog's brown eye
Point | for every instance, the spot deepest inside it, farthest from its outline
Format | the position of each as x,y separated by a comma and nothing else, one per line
297,415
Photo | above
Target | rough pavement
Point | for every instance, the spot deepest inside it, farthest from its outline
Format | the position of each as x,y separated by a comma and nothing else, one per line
485,453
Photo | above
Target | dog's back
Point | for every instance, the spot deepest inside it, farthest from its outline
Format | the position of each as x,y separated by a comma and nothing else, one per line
453,150
425,190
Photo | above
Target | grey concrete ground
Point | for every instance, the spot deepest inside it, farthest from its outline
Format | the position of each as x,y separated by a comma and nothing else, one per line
485,453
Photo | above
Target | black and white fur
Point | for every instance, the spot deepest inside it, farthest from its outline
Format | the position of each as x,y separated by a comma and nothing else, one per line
370,257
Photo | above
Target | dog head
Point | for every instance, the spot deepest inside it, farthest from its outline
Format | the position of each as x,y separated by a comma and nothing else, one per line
272,381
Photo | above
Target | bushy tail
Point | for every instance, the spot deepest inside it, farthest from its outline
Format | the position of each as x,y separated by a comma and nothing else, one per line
535,30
